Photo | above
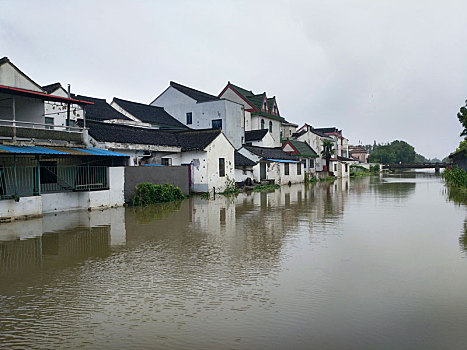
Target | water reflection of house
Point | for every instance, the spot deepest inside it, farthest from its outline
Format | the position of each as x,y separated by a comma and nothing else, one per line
59,249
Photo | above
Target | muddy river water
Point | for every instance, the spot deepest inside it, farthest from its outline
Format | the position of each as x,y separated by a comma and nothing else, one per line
370,263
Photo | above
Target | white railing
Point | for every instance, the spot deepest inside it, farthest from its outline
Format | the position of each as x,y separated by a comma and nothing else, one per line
42,126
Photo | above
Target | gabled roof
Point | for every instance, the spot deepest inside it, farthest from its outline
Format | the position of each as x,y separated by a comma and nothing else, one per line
150,114
269,153
194,140
255,101
197,95
285,122
112,132
51,87
327,130
302,148
241,161
100,110
255,135
4,60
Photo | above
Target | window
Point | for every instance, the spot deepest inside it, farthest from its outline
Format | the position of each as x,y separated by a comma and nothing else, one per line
286,168
312,163
262,124
217,124
166,161
49,121
70,122
189,118
221,167
48,172
335,167
299,168
270,126
265,106
346,168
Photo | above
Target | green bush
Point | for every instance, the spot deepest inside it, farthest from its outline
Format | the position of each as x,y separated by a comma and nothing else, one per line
328,179
313,180
230,186
455,177
260,188
147,193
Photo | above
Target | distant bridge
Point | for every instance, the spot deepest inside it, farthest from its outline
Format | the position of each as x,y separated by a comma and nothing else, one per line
435,166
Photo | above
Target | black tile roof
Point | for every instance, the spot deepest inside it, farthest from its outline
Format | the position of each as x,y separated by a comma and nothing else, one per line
255,135
197,95
242,161
100,110
197,139
112,132
150,114
191,140
270,153
4,60
326,130
51,87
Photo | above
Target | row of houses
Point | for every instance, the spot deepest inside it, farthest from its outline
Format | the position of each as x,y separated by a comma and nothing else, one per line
60,149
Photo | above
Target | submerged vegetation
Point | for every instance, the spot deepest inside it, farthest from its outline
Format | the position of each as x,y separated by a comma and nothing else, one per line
148,193
456,177
328,179
358,170
271,187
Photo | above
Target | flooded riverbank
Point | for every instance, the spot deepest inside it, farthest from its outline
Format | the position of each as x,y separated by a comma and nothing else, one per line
360,264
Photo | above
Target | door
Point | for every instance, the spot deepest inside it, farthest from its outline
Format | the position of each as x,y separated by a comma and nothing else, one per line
262,171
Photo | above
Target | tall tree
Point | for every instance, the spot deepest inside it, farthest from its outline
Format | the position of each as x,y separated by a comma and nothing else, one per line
462,116
394,152
328,151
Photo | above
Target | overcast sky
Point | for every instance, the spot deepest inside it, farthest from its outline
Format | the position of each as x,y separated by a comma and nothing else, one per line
379,70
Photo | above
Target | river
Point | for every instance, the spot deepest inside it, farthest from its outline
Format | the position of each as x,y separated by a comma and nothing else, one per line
370,263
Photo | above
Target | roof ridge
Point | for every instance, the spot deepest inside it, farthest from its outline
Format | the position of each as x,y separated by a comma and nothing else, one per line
137,103
180,86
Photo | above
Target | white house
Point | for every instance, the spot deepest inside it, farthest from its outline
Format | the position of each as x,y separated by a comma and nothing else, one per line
315,139
48,167
199,110
211,157
260,138
243,168
261,112
273,164
302,151
58,113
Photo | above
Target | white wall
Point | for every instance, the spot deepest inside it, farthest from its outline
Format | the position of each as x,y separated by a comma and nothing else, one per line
26,207
220,148
205,165
57,110
231,113
276,127
242,174
266,141
9,76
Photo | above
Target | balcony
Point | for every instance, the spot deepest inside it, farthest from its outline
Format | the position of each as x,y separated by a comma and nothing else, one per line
17,131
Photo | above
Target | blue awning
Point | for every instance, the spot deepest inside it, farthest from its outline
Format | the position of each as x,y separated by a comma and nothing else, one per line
29,150
62,151
283,160
100,152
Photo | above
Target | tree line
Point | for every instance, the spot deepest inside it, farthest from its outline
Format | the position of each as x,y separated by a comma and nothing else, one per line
395,152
